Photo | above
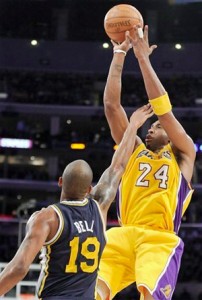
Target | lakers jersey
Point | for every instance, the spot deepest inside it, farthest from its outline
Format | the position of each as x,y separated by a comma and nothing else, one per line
153,191
70,260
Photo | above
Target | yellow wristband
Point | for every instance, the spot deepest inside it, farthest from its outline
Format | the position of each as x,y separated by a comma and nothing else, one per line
161,105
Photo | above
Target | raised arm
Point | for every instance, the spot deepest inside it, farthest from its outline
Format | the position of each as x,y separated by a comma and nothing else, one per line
105,190
182,144
37,231
115,113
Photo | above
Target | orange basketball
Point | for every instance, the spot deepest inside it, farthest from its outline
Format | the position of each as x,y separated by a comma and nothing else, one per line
119,19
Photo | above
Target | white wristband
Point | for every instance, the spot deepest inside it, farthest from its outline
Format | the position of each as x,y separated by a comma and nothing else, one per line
120,51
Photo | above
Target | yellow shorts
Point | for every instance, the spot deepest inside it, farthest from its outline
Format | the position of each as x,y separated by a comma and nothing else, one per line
151,258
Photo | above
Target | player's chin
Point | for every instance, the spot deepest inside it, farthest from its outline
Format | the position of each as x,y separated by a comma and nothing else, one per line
148,144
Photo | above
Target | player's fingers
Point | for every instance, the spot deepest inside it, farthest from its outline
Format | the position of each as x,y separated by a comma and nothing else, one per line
127,35
128,39
144,108
146,33
152,48
140,32
136,33
150,110
131,39
145,111
151,114
114,43
147,107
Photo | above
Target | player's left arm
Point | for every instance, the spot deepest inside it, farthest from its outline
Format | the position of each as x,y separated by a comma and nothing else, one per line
182,143
37,230
105,190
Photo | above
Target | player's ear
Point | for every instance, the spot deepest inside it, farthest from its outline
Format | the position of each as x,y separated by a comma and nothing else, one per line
89,189
60,181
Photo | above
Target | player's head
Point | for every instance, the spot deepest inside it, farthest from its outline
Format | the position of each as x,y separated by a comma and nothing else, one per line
76,180
156,137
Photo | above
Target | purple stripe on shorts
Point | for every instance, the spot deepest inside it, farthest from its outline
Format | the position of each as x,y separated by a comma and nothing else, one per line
181,197
166,285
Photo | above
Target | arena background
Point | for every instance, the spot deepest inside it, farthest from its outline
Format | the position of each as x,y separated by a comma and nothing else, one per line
53,69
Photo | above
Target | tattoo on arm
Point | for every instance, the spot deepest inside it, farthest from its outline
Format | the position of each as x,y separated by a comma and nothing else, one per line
118,68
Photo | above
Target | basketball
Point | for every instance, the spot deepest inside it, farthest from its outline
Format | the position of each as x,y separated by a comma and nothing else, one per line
119,19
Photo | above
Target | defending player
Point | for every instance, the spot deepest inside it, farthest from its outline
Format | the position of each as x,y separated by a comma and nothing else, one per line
71,233
154,191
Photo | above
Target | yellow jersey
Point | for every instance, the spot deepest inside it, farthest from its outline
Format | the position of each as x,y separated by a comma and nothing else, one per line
153,192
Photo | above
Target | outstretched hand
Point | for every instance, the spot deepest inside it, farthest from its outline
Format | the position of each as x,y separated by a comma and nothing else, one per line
141,115
140,44
125,45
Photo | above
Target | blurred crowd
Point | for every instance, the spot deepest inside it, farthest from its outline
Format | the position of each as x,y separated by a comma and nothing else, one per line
87,89
52,134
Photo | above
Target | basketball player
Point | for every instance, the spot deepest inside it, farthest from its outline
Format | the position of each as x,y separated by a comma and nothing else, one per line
154,190
71,233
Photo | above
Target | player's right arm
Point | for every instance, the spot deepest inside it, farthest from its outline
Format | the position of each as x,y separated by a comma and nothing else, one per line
114,111
105,191
38,229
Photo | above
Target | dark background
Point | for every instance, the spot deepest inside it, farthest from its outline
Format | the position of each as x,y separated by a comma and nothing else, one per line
52,94
83,19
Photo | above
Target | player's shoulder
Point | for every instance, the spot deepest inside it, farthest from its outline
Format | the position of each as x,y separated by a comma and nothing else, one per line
139,147
41,215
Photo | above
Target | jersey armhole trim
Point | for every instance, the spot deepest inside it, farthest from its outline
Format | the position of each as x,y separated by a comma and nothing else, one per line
60,227
102,218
